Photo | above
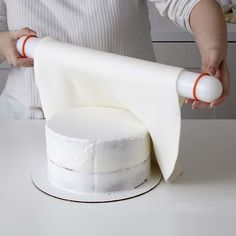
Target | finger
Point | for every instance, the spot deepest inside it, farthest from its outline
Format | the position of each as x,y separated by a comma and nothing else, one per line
25,62
199,104
217,102
189,101
212,66
204,105
195,105
211,62
211,69
23,32
17,61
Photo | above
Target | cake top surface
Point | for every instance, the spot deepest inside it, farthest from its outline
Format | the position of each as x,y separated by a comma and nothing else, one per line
97,123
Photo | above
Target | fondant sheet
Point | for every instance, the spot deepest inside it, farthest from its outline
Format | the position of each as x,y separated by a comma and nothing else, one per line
69,76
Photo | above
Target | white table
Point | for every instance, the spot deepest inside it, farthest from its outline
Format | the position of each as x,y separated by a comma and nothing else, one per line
202,201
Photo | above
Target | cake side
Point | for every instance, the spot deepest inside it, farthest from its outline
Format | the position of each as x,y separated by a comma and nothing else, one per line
81,182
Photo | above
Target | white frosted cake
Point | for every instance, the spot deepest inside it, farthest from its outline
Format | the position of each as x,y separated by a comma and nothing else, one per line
97,150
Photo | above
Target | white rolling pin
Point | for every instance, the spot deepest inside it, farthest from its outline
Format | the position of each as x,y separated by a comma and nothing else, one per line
192,85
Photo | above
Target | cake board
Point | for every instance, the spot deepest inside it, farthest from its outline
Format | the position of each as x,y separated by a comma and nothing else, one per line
42,182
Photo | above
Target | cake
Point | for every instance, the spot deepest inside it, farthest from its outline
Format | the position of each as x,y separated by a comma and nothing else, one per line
97,150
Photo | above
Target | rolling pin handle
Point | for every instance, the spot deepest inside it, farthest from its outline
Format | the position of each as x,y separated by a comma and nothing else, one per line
26,45
205,88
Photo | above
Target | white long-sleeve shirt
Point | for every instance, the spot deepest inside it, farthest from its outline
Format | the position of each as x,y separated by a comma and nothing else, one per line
118,26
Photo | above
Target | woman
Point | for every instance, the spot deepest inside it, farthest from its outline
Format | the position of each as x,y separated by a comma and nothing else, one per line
118,26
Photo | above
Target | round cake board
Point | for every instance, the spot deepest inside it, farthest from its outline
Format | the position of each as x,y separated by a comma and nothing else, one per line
41,181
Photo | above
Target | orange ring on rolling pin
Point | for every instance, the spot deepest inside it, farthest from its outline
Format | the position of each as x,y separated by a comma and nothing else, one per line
196,83
24,43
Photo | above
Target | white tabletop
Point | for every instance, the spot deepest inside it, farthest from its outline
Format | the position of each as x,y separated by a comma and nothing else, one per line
201,202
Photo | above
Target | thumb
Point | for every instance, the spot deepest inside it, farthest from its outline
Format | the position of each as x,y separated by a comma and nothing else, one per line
213,65
211,69
23,32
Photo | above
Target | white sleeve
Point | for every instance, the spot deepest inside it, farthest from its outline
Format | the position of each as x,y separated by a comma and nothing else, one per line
3,17
177,11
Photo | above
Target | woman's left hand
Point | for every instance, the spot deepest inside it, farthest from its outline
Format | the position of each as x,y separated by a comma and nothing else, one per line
214,62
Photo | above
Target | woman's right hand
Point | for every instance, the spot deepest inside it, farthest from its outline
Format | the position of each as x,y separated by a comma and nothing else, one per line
8,49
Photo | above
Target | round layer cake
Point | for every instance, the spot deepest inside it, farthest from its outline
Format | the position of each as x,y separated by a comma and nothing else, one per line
97,150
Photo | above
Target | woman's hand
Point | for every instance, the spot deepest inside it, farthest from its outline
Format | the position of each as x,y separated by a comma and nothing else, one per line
8,49
215,63
210,33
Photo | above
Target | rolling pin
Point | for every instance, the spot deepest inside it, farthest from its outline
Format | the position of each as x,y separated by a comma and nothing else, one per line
202,87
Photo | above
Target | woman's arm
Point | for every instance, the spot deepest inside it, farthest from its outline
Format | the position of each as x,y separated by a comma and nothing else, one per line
205,19
209,28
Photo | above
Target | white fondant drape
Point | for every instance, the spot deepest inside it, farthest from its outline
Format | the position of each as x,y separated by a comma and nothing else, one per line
69,76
